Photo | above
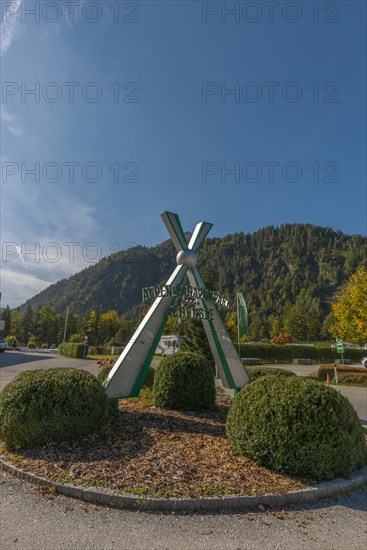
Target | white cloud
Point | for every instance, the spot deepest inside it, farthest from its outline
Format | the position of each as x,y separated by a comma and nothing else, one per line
34,217
6,116
8,25
18,287
10,122
15,130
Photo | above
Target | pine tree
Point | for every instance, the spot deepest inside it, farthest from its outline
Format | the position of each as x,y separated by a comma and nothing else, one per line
6,317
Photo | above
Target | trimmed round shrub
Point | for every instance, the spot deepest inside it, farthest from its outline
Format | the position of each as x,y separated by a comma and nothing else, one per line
298,427
44,406
184,381
149,379
254,374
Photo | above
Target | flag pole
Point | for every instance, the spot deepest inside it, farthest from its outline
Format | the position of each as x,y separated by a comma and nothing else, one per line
66,323
238,328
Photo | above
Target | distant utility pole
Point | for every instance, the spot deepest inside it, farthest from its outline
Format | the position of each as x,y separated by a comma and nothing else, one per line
238,328
66,322
2,323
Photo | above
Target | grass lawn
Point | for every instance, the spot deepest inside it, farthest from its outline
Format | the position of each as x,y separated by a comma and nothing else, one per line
99,357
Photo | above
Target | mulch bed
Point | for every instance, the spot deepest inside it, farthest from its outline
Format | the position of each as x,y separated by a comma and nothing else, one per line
157,452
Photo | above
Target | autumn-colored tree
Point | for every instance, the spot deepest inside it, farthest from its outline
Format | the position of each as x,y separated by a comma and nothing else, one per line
92,326
16,324
109,324
231,325
350,309
276,328
282,339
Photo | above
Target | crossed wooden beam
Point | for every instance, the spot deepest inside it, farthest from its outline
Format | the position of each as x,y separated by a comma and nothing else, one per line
129,372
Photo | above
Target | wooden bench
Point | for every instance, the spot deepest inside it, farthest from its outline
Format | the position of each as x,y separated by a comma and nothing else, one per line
251,361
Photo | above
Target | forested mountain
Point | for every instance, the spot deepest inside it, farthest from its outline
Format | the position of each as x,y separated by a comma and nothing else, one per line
294,269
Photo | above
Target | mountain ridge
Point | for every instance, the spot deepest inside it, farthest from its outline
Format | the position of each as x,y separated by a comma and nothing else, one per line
273,267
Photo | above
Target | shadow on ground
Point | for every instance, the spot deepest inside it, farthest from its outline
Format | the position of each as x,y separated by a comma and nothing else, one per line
9,359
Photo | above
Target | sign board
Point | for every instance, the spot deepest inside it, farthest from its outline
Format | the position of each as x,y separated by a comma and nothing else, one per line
128,373
191,312
186,291
339,345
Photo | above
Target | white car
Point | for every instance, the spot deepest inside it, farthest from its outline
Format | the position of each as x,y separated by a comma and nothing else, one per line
3,344
364,362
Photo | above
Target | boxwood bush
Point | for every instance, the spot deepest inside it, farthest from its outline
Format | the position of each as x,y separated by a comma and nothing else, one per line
184,381
254,374
298,427
149,379
71,349
53,405
286,354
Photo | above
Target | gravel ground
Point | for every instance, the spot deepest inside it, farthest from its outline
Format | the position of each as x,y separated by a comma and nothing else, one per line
31,520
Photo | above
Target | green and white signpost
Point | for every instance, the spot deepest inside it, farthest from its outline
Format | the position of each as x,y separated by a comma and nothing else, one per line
129,372
340,347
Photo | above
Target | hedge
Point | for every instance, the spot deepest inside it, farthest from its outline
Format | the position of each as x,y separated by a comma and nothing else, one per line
71,349
269,353
184,381
254,374
353,379
297,427
53,405
325,370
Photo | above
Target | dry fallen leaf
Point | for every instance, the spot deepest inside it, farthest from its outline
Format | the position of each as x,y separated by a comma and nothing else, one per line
151,451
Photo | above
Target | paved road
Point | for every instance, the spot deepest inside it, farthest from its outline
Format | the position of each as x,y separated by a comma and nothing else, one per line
13,362
30,521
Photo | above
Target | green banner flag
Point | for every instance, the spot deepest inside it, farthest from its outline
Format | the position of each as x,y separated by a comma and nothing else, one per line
242,315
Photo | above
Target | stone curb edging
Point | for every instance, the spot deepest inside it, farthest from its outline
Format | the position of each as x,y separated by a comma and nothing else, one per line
113,499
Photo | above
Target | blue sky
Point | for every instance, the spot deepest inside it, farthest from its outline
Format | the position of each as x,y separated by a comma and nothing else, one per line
147,90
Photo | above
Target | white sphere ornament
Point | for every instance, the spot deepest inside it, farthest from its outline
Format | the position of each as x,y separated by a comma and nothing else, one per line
187,257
